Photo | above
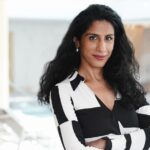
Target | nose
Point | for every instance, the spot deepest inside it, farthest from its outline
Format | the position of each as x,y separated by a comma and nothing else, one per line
101,46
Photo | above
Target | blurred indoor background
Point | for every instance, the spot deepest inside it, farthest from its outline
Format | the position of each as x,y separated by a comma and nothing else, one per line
30,32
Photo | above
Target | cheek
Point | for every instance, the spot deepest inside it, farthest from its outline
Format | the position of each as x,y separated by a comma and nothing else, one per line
87,48
111,47
86,44
110,52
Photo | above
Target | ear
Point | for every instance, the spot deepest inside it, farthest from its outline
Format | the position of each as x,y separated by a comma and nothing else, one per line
76,41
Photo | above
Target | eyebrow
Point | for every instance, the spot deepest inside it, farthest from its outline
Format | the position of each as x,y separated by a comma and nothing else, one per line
109,34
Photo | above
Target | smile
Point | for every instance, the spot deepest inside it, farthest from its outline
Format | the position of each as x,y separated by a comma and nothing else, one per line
99,57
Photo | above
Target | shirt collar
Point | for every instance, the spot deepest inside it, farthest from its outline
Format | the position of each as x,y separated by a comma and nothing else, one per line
75,79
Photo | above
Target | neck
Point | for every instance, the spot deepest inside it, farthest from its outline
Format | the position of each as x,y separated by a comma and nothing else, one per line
91,74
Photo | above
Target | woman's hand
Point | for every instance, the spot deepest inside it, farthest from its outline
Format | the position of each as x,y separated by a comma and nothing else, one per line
100,143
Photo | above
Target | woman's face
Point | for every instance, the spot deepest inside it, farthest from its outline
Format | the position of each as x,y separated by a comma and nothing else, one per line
96,44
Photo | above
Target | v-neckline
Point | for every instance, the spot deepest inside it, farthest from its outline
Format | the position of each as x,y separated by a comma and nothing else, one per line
117,97
104,105
99,100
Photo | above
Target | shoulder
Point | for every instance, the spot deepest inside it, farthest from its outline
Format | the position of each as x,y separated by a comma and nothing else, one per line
144,106
69,84
63,82
142,101
60,91
62,86
144,110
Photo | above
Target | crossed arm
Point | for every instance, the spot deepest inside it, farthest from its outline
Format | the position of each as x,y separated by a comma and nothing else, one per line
144,121
71,134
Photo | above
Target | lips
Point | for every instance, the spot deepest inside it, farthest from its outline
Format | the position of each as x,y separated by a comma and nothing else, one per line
99,57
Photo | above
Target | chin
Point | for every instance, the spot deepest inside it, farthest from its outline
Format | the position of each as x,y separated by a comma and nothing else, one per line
98,65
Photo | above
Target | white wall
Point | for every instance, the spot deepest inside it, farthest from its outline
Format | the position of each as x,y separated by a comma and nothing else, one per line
3,56
34,43
67,9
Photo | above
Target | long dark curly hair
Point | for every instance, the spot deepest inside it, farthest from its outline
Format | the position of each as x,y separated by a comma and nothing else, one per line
121,70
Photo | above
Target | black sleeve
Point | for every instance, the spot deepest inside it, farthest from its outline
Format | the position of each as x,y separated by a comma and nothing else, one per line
70,131
66,121
143,113
137,140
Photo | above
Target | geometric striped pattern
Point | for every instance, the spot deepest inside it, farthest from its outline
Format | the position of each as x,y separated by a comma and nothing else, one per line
143,115
80,117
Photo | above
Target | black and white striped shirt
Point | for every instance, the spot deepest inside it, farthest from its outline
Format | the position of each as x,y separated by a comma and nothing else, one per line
81,117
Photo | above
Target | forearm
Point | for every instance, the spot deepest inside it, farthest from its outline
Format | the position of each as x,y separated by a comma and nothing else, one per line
139,139
144,116
100,143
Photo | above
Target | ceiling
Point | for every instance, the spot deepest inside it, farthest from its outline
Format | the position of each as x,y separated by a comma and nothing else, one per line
67,9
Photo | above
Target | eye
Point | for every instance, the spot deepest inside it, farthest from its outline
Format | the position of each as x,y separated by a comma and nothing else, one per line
109,38
93,37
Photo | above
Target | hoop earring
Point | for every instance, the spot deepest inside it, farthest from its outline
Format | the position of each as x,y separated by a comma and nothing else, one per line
77,50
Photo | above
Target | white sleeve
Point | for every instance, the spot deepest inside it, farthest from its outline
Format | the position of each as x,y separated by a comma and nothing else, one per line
66,121
144,116
137,140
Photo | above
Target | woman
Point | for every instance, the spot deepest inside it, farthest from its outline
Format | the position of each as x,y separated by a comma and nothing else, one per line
91,84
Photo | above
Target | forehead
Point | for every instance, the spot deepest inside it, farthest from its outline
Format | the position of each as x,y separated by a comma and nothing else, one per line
101,27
